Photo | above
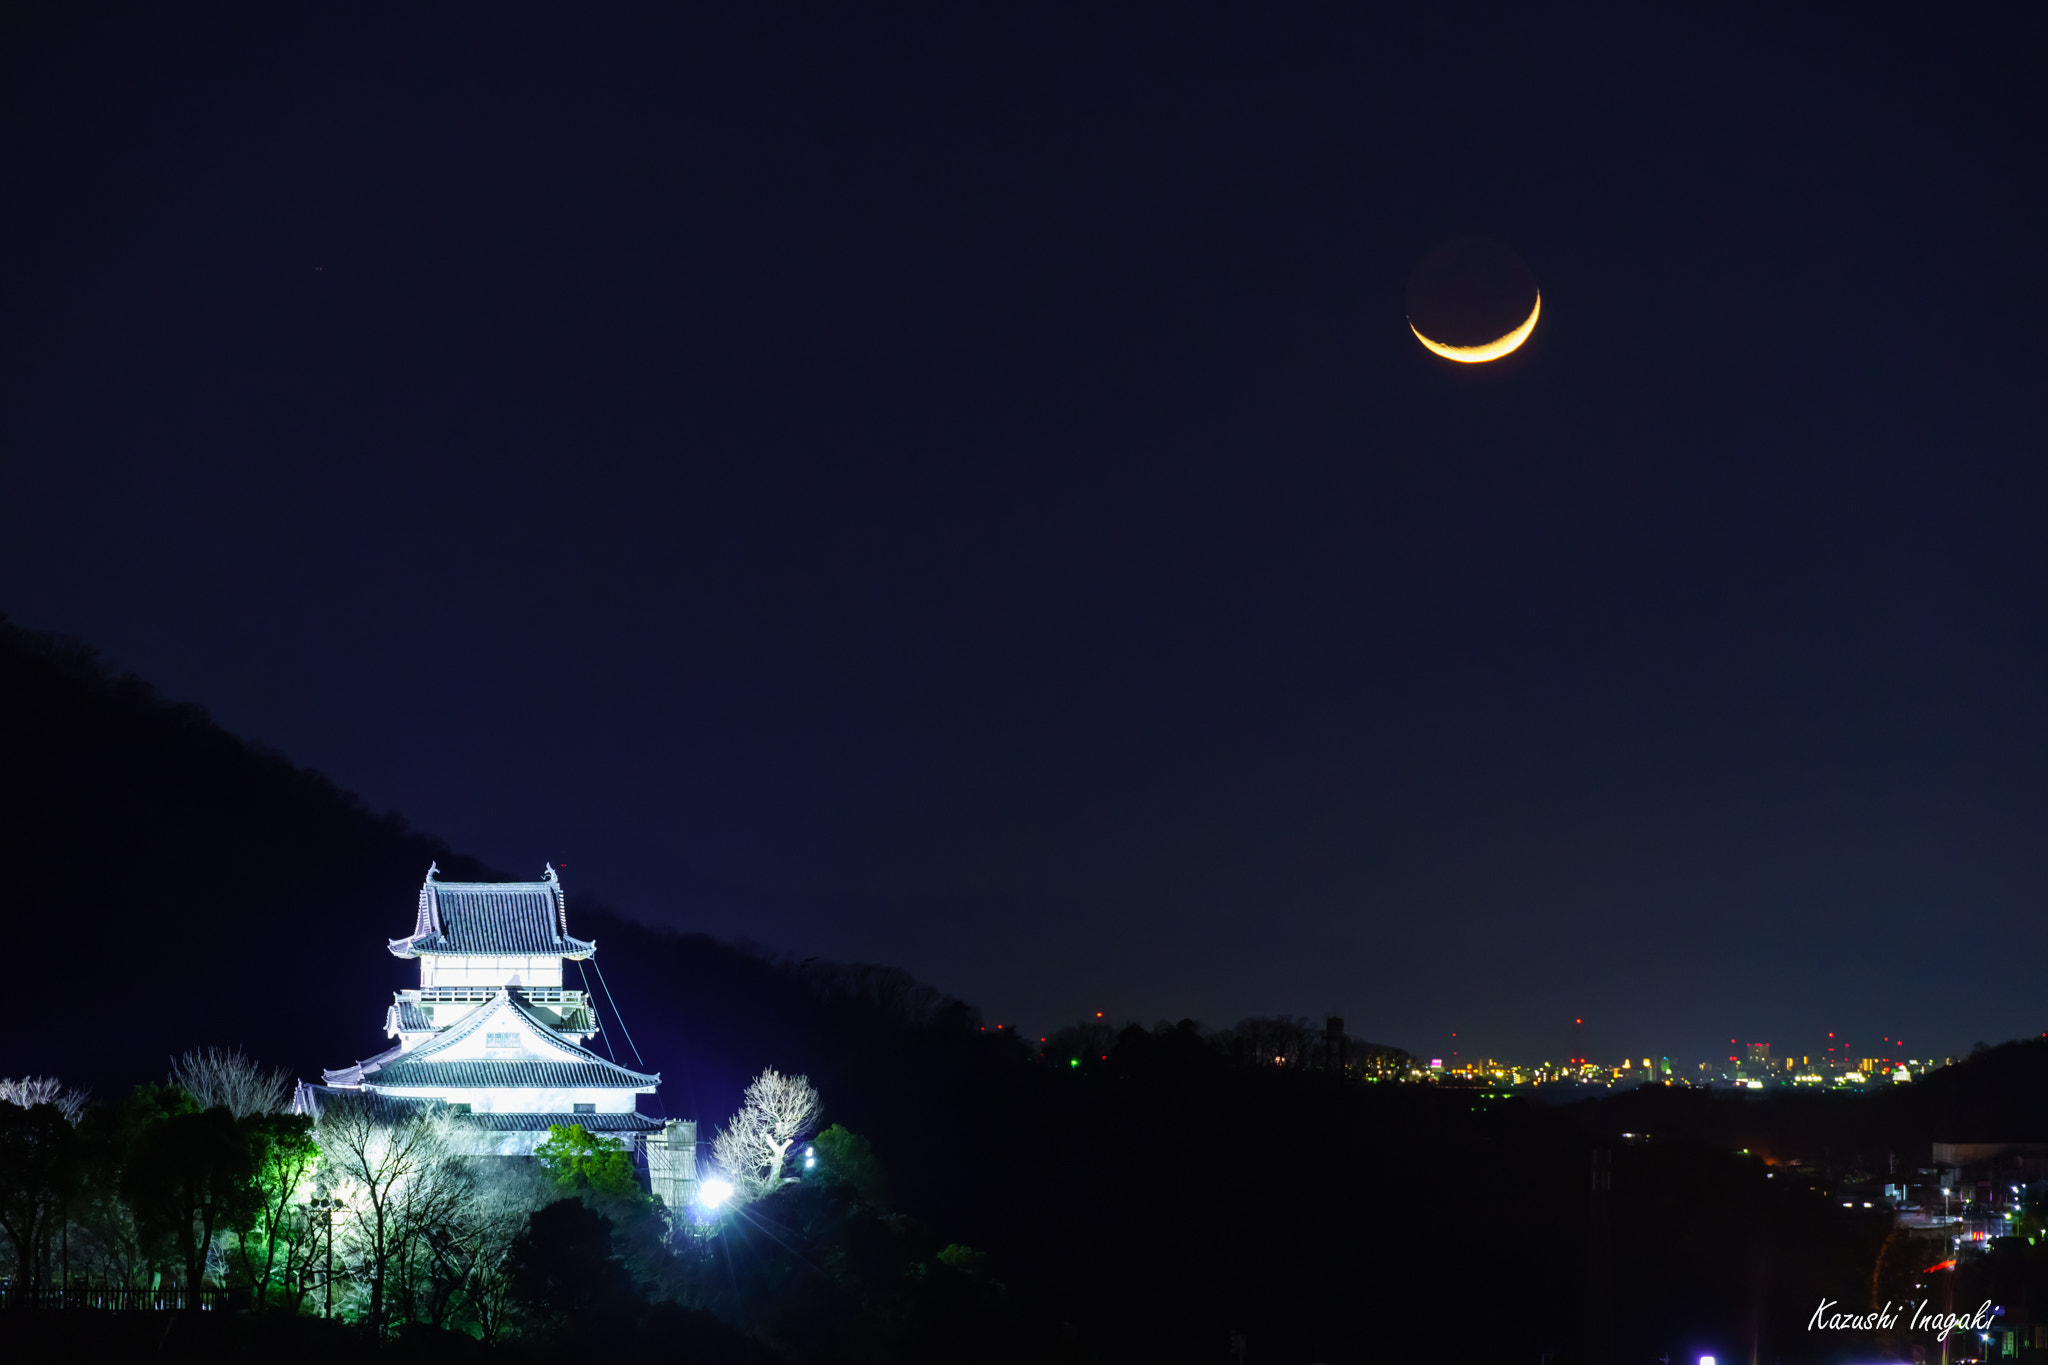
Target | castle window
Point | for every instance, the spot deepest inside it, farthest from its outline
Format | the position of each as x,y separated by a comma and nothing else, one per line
492,1040
586,1109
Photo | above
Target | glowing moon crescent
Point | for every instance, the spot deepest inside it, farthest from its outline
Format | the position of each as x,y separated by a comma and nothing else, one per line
1486,350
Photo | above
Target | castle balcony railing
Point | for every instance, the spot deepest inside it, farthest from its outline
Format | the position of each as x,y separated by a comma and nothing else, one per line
539,995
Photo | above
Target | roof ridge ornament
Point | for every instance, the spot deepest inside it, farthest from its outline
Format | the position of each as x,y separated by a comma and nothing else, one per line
429,920
561,901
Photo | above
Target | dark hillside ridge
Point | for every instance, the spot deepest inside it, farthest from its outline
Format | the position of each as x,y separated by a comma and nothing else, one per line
173,886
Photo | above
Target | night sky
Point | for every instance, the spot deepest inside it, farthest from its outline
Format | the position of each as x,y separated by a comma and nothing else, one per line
954,486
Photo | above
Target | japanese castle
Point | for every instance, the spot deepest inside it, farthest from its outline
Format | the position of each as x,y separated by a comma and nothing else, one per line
492,1034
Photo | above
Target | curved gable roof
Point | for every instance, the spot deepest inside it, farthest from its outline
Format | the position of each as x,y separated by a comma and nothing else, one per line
458,919
548,1059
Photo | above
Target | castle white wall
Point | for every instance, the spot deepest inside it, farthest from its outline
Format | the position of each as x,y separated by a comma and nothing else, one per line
508,1100
487,970
448,1013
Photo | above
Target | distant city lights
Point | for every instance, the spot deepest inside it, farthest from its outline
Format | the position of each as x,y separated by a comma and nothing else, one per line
1751,1069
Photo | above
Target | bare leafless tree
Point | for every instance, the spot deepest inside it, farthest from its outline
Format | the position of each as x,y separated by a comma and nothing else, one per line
106,1245
218,1078
753,1147
468,1253
394,1173
30,1091
433,1238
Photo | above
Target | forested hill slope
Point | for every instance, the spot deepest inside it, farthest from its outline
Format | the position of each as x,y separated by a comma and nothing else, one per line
169,885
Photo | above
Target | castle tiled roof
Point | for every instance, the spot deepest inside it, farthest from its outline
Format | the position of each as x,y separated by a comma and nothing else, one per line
500,918
353,1075
589,1123
545,1059
317,1099
527,1073
407,1017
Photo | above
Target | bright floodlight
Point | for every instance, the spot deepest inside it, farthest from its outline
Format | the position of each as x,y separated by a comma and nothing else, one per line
1706,1360
714,1192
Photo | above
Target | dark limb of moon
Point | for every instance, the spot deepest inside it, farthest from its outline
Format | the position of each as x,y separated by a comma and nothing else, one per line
1472,300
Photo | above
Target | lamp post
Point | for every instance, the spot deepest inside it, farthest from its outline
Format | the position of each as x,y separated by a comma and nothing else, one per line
320,1214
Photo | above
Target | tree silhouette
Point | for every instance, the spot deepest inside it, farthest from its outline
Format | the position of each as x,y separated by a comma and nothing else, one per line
563,1271
191,1176
38,1170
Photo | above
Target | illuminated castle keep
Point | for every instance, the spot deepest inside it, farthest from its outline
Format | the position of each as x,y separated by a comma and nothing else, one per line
492,1033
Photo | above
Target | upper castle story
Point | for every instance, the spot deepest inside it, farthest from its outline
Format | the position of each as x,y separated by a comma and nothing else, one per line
491,934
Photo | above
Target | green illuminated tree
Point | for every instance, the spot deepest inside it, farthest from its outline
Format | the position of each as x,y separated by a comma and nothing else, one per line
850,1159
580,1161
276,1246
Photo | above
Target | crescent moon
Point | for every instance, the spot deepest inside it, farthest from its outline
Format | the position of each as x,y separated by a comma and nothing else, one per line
1486,350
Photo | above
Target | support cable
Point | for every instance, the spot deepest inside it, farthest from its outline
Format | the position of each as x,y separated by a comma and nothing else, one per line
602,1031
620,1017
658,1103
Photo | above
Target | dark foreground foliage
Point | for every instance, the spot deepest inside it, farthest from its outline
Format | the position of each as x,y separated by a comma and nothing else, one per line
225,1338
1165,1194
216,1338
576,1294
827,1270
